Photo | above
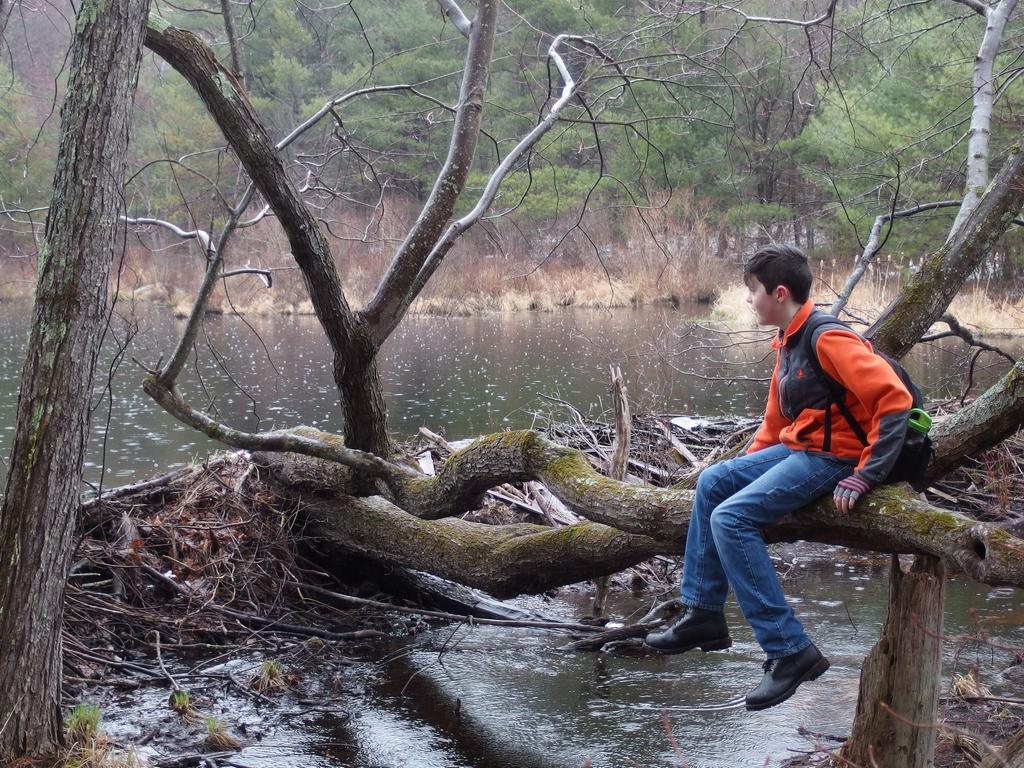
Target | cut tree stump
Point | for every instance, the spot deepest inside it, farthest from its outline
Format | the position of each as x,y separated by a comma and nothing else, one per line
895,725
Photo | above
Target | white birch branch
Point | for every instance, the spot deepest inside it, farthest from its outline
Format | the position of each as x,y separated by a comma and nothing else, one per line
981,115
456,16
872,247
792,22
185,234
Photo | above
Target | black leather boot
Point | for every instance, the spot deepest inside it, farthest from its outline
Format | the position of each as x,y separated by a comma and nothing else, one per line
783,676
698,628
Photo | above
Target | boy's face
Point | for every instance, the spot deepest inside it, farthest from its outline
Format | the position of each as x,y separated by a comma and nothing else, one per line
769,308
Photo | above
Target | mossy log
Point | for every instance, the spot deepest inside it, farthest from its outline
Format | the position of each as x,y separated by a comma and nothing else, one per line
650,519
504,560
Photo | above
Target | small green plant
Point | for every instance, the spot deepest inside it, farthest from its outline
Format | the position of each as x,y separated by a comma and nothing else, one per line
217,736
181,702
269,678
83,723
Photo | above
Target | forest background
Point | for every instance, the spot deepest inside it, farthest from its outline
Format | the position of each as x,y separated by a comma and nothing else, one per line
687,171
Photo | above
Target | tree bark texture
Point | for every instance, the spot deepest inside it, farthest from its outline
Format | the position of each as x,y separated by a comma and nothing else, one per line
392,298
355,365
928,294
69,318
990,419
887,520
900,674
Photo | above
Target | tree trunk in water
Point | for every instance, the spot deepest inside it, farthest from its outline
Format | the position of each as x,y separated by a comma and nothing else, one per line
362,399
43,484
895,725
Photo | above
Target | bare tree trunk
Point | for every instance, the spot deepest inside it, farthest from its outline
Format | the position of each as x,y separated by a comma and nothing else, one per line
44,477
362,396
354,338
895,725
981,115
238,121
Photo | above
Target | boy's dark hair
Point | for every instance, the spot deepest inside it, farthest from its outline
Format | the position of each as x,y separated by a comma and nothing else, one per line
776,265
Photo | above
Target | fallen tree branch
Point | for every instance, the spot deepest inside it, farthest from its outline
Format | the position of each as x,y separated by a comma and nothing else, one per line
641,520
995,415
503,560
524,623
956,329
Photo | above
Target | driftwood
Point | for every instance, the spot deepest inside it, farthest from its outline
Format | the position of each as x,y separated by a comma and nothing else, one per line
617,464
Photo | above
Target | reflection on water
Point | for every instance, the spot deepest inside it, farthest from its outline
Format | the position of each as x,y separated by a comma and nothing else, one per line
487,697
464,376
505,698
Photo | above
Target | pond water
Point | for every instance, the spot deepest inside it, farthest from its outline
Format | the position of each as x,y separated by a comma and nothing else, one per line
481,697
488,697
459,376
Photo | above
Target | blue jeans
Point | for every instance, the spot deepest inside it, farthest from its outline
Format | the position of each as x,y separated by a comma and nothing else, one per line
734,500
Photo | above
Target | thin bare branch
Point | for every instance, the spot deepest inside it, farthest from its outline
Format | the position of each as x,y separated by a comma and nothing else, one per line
772,20
306,441
386,309
872,247
229,29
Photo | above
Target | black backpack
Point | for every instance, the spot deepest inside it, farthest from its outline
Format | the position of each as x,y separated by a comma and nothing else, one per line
912,463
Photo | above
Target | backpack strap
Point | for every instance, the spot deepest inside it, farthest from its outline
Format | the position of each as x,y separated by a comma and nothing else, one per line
836,392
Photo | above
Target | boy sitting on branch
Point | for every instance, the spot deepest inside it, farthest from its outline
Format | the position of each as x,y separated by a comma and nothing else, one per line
812,442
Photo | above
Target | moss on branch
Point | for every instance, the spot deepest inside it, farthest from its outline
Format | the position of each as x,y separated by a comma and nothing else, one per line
889,520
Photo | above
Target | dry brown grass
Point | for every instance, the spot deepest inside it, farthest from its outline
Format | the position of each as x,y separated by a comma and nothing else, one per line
617,257
975,308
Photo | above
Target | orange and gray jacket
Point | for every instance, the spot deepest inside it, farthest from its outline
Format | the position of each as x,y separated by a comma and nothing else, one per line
797,395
